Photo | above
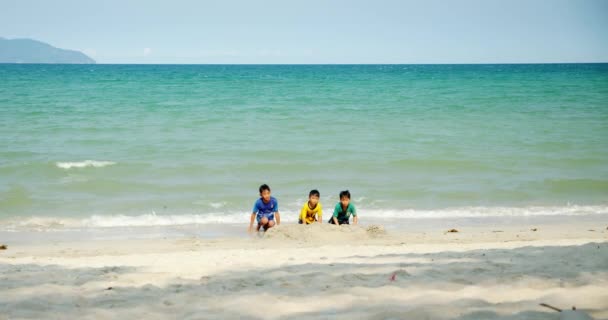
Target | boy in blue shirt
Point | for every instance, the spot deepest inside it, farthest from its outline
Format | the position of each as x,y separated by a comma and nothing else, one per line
264,210
343,210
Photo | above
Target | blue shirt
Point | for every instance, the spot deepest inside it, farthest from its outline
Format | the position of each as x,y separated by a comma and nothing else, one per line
266,209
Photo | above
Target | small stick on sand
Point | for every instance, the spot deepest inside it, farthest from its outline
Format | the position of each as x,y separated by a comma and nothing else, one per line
551,307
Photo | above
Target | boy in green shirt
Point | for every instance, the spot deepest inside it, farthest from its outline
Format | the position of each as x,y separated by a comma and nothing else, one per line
343,210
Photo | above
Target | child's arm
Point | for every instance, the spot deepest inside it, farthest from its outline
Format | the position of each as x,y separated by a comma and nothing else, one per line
303,215
276,212
335,215
355,220
251,222
320,214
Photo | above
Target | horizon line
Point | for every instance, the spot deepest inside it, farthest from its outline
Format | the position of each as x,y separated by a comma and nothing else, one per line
308,64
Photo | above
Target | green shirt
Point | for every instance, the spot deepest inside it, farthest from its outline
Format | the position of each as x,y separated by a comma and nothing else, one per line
344,215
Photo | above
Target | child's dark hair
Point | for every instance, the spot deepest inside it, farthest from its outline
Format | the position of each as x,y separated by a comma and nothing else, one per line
344,193
314,192
264,187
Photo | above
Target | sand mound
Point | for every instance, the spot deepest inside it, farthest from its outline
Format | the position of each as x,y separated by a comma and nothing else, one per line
325,232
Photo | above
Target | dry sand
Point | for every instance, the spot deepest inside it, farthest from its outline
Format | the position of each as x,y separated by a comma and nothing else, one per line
319,271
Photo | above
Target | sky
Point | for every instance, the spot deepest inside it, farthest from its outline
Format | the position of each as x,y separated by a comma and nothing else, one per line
316,31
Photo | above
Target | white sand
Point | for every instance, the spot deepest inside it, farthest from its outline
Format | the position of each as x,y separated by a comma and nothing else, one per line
314,272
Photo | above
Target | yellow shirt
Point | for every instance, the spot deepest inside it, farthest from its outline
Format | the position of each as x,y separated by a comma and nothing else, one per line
307,215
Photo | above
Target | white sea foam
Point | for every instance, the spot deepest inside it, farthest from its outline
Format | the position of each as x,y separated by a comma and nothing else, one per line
153,219
289,216
84,164
481,212
217,205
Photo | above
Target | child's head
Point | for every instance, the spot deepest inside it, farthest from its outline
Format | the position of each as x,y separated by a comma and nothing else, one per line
345,197
313,197
265,192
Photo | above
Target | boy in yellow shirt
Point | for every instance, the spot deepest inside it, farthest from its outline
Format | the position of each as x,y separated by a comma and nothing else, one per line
312,210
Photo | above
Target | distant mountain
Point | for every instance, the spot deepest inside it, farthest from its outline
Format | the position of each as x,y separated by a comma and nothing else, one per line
32,51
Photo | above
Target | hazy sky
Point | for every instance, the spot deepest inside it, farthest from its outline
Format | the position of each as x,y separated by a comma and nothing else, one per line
316,31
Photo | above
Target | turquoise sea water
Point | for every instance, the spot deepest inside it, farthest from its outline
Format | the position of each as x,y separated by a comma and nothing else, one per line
169,144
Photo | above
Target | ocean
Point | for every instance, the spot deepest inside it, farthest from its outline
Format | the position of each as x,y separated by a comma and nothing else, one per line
159,145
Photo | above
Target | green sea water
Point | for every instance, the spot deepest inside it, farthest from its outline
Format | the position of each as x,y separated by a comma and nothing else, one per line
171,144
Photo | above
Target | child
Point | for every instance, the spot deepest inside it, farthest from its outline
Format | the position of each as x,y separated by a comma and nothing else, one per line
264,210
343,210
312,210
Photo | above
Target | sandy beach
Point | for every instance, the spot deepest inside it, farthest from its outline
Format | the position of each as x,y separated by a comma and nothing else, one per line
318,271
462,145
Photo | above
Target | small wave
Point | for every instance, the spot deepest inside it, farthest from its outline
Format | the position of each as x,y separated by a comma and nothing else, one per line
84,164
481,212
368,215
40,223
119,220
217,205
152,219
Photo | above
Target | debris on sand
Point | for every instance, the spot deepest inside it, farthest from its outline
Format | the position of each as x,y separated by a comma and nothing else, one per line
401,273
375,231
569,314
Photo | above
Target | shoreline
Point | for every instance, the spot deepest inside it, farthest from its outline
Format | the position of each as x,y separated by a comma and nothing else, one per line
316,271
32,235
